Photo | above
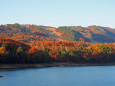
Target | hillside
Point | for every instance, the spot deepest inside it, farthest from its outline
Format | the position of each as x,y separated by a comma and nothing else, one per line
34,33
97,34
11,51
14,52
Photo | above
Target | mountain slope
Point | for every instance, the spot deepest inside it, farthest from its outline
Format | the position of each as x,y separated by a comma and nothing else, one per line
97,33
33,33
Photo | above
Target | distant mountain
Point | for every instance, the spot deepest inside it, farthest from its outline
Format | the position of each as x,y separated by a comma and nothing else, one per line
30,33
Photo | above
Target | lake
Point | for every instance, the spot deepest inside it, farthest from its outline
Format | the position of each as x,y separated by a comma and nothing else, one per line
60,76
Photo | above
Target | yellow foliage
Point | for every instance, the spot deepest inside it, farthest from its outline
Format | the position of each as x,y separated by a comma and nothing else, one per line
3,51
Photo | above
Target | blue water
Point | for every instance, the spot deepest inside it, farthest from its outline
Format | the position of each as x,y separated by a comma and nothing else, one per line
60,76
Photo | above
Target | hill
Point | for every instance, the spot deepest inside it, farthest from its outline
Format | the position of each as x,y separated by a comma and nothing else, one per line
14,52
34,33
11,51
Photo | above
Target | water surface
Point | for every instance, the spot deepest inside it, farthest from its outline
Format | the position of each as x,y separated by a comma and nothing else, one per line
60,76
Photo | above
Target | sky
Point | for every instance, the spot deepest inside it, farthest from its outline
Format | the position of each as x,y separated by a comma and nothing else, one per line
58,12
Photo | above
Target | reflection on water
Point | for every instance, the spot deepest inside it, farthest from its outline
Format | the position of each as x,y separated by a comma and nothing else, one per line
60,76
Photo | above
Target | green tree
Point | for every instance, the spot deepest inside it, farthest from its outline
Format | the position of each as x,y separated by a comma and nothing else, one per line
19,49
20,55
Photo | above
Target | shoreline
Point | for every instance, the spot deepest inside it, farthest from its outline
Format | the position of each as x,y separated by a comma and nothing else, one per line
25,66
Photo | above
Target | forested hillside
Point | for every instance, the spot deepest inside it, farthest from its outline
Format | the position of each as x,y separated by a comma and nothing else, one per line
17,52
34,33
46,44
97,34
14,52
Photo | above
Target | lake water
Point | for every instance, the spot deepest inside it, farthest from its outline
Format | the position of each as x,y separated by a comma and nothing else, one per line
60,76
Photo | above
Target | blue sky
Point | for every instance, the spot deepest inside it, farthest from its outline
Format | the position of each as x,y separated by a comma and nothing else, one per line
58,12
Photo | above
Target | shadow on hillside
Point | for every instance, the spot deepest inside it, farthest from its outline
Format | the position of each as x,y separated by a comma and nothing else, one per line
112,34
102,38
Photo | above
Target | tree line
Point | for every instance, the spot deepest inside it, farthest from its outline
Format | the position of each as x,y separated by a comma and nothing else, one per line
13,52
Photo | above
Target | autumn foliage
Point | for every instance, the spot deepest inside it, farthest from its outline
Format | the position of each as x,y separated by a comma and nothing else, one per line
45,44
55,51
29,33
